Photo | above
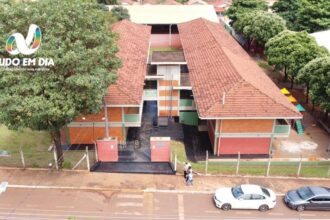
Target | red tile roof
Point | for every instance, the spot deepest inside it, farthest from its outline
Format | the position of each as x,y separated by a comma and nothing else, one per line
219,68
133,44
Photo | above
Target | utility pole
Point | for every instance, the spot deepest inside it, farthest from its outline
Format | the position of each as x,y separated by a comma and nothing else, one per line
106,123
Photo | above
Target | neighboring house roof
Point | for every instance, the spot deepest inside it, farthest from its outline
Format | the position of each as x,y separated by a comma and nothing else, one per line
322,38
226,82
133,45
169,14
196,2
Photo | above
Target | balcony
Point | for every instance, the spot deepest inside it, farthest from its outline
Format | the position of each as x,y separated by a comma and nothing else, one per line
150,94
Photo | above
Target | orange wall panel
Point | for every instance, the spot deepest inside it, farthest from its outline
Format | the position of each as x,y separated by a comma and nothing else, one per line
167,113
131,110
115,114
168,103
168,83
243,126
168,93
86,135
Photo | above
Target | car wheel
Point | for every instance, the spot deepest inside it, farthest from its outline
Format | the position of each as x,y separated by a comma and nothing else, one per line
300,208
226,207
263,208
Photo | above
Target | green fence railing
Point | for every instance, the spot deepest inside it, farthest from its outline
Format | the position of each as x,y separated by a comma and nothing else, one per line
186,102
132,117
282,129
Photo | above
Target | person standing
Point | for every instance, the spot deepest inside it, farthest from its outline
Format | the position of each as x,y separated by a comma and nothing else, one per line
186,167
189,179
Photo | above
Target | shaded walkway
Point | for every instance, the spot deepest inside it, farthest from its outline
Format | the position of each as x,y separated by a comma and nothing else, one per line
134,167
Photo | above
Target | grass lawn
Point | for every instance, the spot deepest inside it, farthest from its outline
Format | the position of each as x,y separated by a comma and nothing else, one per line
35,146
308,169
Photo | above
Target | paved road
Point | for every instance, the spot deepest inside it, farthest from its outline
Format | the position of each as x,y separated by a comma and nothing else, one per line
39,204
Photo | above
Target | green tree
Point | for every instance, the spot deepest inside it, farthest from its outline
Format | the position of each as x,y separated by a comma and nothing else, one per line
287,10
316,76
120,13
239,7
77,37
308,15
259,26
291,50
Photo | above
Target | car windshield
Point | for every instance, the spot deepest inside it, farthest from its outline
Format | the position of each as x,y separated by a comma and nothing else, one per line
305,193
237,191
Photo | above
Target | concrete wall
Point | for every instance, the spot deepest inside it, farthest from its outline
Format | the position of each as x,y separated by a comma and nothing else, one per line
163,40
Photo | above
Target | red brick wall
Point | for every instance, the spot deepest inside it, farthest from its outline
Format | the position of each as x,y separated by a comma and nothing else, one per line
243,145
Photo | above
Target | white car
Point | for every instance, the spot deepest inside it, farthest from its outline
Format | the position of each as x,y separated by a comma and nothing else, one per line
245,197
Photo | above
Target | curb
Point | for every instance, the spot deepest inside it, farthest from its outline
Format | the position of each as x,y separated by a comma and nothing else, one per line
148,190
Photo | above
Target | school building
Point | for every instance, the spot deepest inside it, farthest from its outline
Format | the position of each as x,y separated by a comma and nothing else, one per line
196,73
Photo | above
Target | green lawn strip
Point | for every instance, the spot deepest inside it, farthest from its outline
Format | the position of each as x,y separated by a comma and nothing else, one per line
33,143
308,169
35,146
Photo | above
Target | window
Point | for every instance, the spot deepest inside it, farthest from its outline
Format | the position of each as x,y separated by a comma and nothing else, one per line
257,197
321,199
265,191
246,197
184,69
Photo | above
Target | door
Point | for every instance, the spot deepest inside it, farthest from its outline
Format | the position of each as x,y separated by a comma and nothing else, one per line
245,202
319,203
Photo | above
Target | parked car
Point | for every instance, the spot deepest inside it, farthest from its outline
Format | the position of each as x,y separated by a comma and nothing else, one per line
309,197
246,196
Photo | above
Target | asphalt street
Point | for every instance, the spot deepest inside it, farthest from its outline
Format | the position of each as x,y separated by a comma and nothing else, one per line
26,203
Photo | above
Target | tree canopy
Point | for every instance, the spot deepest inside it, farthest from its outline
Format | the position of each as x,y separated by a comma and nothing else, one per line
77,37
308,15
108,2
259,25
239,7
316,76
292,50
120,13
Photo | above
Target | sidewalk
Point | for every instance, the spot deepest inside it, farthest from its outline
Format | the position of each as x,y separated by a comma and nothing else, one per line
140,182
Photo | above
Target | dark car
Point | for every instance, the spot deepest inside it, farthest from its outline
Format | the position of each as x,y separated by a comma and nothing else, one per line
309,198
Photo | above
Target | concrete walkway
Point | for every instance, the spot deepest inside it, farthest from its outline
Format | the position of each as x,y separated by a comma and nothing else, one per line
32,178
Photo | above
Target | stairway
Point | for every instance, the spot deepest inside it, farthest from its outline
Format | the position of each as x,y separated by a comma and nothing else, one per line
299,127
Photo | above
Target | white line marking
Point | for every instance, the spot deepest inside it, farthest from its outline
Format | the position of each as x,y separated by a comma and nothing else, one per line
133,204
130,196
187,191
180,207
